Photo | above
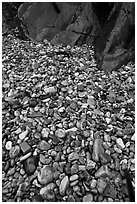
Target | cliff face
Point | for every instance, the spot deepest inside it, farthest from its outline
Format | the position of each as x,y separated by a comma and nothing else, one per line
67,23
109,26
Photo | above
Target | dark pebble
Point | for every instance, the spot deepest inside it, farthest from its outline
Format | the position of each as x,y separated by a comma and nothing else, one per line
7,166
37,198
31,164
33,103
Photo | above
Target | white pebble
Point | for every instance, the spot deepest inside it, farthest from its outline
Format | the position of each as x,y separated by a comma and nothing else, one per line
23,135
8,145
120,143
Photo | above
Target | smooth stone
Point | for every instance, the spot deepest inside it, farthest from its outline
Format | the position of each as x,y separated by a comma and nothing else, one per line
25,147
73,156
101,185
43,145
88,198
45,175
37,198
23,135
74,183
47,192
60,133
93,183
103,172
14,152
73,177
133,138
97,149
11,171
120,143
8,145
30,165
63,185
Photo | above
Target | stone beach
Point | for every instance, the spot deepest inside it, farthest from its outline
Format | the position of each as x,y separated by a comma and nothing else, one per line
68,128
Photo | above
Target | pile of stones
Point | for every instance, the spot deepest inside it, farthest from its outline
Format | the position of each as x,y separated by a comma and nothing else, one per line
68,127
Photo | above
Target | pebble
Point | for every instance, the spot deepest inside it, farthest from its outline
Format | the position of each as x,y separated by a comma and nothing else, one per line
91,102
133,138
23,135
30,165
93,183
101,185
102,172
90,164
97,149
73,156
60,133
120,143
47,192
45,132
88,198
8,145
45,175
63,185
105,158
14,152
73,177
43,145
74,183
37,198
25,156
25,147
71,199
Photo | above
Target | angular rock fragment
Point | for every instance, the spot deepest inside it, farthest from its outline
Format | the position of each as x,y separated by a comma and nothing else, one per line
102,172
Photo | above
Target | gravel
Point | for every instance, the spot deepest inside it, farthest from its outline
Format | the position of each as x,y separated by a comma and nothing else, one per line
68,127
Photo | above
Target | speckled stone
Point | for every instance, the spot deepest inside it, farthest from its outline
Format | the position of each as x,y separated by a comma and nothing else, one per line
45,175
47,192
14,152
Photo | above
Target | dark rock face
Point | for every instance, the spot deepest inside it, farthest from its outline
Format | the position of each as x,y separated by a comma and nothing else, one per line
59,22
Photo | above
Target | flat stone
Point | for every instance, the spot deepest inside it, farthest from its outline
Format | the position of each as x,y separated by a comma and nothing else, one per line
110,191
74,169
105,158
23,135
103,172
43,145
47,192
31,164
120,143
97,149
73,156
8,145
63,185
60,133
25,147
88,198
101,185
73,177
50,90
45,175
14,152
